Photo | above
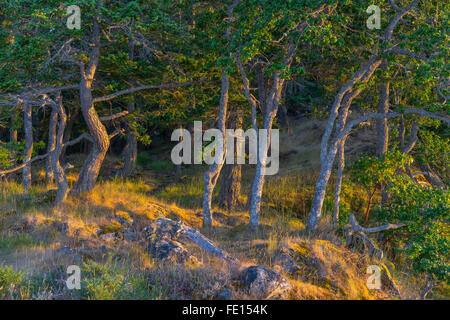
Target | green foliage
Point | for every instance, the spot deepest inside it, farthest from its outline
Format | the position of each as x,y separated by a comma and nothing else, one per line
373,171
426,213
11,283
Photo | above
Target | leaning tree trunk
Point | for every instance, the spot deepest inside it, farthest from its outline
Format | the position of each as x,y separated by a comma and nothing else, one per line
49,175
100,138
212,174
272,109
59,174
328,150
231,174
91,167
28,151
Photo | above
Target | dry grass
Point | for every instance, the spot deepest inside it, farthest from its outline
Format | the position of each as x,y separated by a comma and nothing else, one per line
30,235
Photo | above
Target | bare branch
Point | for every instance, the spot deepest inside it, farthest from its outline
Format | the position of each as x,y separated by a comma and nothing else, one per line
115,133
77,140
401,13
140,88
37,158
114,116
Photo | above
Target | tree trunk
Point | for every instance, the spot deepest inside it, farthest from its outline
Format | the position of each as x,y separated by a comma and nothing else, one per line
68,134
49,175
91,167
382,123
129,154
231,174
28,151
211,175
328,150
337,190
59,174
13,127
272,109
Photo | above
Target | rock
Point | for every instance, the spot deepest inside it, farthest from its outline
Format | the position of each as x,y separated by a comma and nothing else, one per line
169,250
108,237
166,229
287,263
263,283
163,229
387,282
66,250
225,294
130,235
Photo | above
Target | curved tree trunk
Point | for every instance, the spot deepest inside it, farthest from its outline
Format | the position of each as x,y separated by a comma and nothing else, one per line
328,150
212,174
101,141
273,102
91,167
28,151
49,175
59,174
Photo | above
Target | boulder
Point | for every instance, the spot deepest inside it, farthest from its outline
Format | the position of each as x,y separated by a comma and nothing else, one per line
263,283
178,232
169,251
225,294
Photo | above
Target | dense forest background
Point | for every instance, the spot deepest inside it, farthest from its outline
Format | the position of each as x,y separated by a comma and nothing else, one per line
87,117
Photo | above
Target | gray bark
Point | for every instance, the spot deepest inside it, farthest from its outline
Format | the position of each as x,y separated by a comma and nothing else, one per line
129,154
49,175
328,151
13,129
59,174
91,167
231,174
212,174
382,124
28,151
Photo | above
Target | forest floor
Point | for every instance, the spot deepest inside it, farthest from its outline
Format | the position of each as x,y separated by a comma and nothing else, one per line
38,242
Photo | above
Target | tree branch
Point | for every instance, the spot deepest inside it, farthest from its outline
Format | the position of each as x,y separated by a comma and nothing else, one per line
114,116
140,88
